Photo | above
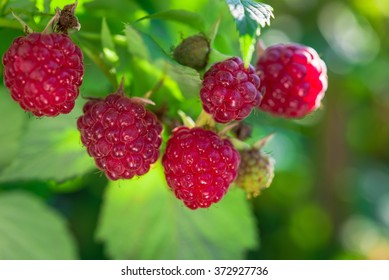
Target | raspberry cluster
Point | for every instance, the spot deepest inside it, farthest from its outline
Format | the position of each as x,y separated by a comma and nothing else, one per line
199,166
121,135
44,73
293,79
230,91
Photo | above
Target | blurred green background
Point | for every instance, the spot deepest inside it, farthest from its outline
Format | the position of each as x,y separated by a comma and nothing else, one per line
330,195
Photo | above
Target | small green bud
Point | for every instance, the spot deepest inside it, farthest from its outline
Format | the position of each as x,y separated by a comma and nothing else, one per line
193,52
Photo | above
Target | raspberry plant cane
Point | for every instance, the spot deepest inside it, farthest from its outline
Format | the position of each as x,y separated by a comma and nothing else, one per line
120,134
44,71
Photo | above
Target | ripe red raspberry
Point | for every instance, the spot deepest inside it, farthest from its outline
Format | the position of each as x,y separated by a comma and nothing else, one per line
121,135
230,91
293,80
199,166
44,73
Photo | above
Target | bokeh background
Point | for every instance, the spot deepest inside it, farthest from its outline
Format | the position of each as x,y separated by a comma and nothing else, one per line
330,195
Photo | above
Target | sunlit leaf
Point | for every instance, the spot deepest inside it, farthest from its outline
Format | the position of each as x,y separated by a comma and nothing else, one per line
142,219
212,32
10,134
50,148
136,45
249,17
30,230
8,23
151,63
107,43
96,56
187,79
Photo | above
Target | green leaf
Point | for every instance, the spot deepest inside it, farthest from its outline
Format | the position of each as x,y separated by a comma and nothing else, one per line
30,230
188,79
107,43
8,23
212,32
154,63
249,17
96,56
142,219
136,45
247,47
10,130
188,18
50,148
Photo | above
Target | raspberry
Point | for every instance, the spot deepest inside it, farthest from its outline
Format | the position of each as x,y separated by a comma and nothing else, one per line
256,172
293,80
121,135
193,52
230,91
44,73
199,166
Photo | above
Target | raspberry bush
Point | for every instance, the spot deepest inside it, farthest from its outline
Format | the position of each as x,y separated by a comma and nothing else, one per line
173,154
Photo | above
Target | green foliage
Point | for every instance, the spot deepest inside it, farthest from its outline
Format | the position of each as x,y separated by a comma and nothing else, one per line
141,219
49,148
191,19
30,230
329,197
135,43
249,16
9,134
107,43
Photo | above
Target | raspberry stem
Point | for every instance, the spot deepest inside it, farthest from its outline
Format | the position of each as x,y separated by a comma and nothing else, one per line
239,144
205,119
227,128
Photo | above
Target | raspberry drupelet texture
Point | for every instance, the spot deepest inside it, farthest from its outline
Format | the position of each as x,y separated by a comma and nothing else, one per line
293,80
256,172
199,166
230,91
44,73
121,135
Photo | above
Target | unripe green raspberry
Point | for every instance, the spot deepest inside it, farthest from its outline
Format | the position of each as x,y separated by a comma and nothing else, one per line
256,172
193,52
